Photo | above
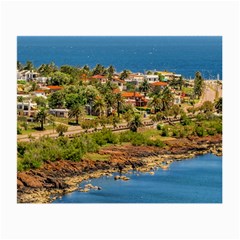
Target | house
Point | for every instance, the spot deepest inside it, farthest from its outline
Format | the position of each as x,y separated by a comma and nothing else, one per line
100,78
119,82
159,84
42,80
26,109
134,98
151,78
27,75
135,78
59,112
167,75
39,93
54,88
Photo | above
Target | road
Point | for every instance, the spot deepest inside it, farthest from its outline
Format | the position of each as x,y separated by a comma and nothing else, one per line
211,91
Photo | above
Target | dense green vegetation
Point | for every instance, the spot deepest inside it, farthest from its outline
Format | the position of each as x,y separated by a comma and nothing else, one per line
34,154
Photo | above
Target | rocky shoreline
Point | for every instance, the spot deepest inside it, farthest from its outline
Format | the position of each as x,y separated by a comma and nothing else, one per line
55,179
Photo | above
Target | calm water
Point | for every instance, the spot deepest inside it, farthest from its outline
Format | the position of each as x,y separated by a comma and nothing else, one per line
184,55
198,180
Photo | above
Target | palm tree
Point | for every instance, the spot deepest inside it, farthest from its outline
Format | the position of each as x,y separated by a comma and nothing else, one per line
99,106
135,123
155,102
120,101
124,74
77,111
144,87
166,99
41,116
29,66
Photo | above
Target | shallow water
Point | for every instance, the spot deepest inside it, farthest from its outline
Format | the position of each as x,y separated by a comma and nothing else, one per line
197,180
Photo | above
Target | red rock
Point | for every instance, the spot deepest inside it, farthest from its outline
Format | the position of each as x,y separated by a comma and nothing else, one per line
29,181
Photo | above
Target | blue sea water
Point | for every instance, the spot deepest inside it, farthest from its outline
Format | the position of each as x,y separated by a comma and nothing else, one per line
197,180
184,55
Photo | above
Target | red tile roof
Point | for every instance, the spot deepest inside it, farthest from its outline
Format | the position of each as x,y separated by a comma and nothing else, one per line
98,76
54,87
39,91
131,94
159,84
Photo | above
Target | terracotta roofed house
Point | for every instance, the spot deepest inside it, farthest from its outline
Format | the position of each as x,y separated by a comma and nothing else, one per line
54,88
134,98
101,78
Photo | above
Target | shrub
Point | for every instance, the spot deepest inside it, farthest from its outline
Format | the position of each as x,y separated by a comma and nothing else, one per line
200,131
157,143
61,129
211,131
105,136
19,130
138,140
165,132
218,128
126,136
159,127
184,120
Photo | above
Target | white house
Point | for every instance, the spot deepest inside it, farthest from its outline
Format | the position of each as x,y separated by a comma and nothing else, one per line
26,108
59,112
26,75
151,78
135,78
120,83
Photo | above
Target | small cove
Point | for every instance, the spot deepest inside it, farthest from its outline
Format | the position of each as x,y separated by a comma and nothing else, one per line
196,180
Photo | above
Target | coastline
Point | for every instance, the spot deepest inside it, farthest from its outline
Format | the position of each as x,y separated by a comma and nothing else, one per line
55,179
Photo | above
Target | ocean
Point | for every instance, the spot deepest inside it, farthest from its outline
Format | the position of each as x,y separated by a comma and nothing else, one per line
196,180
183,55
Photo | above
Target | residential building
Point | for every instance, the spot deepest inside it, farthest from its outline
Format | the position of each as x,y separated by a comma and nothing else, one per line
102,79
54,88
119,82
26,109
151,78
59,112
134,98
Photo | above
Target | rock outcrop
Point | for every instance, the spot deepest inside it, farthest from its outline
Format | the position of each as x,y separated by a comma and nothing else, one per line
54,179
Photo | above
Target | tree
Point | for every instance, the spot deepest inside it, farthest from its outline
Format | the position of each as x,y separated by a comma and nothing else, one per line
144,87
120,101
135,123
207,107
198,84
127,116
99,69
58,78
160,77
77,111
47,69
155,102
19,66
218,105
124,74
99,106
175,109
41,117
41,101
61,129
111,70
180,82
57,99
29,66
166,99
